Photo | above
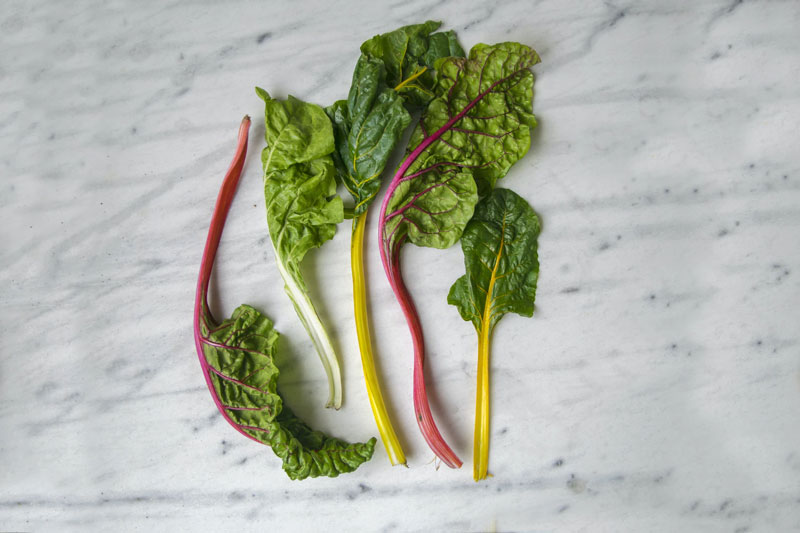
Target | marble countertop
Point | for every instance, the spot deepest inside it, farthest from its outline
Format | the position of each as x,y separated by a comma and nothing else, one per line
657,388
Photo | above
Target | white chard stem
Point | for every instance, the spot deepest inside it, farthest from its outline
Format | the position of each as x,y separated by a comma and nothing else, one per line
311,321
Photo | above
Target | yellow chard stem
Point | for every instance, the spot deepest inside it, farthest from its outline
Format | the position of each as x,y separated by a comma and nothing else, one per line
480,461
411,78
388,436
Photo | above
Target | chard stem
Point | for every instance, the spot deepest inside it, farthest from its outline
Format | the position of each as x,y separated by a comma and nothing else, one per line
202,314
319,336
382,420
480,454
422,409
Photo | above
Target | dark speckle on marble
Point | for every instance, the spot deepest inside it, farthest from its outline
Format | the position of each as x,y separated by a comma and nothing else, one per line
576,484
45,389
263,37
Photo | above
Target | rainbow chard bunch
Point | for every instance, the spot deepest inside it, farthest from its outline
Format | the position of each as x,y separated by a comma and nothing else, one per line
475,123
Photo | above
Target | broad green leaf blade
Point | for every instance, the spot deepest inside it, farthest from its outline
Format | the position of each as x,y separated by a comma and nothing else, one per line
367,128
296,132
478,124
302,210
393,72
239,356
495,132
500,255
433,208
302,207
409,54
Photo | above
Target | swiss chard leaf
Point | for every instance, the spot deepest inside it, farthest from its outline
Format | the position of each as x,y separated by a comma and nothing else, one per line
500,255
476,128
367,127
237,358
302,207
393,72
239,355
409,54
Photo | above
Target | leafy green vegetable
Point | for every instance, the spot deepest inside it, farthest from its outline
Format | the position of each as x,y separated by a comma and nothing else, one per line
237,358
500,256
240,355
499,245
409,53
475,128
367,127
392,73
302,207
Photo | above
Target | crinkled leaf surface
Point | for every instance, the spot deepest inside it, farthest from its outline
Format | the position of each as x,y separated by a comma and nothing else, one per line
409,54
500,256
473,131
302,208
239,354
433,208
394,71
300,184
367,127
296,132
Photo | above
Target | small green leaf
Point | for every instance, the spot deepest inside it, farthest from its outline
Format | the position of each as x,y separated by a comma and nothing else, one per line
500,256
240,354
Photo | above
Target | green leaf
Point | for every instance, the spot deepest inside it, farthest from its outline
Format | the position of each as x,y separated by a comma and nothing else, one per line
500,256
433,208
302,207
409,54
393,72
296,132
239,356
367,128
302,210
496,132
478,125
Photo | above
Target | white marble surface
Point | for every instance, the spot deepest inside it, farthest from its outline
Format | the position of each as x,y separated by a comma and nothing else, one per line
657,389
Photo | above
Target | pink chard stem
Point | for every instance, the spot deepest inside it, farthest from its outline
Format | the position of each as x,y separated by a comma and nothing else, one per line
390,257
422,408
202,314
